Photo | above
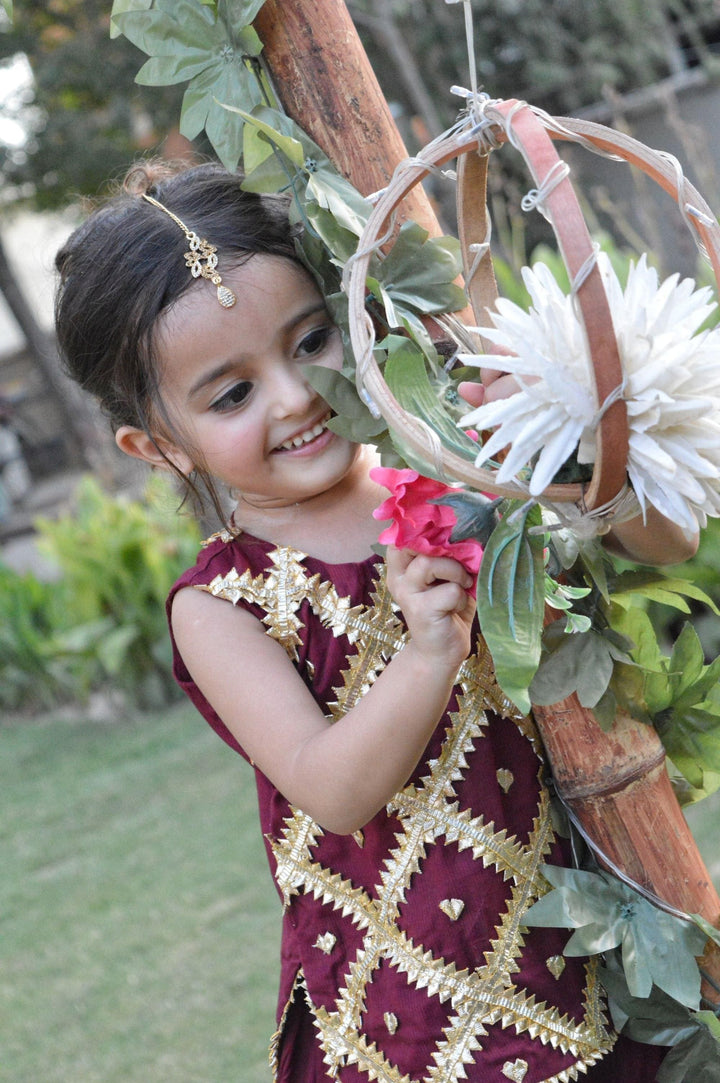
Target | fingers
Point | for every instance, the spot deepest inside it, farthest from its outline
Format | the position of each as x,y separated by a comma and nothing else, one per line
417,572
474,394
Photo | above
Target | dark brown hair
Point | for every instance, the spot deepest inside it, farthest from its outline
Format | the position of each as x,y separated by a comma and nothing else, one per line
121,269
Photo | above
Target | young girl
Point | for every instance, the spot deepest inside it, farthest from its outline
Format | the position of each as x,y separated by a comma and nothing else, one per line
401,797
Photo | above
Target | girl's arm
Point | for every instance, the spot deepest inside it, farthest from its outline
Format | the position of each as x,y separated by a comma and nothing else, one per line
341,774
654,540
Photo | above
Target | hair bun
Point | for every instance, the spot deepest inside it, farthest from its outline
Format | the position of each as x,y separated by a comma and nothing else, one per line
144,176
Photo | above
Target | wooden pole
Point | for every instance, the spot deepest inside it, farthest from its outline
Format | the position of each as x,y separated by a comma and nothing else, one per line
616,783
322,77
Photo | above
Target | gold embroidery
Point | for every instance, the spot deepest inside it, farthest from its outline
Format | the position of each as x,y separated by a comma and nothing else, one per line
326,942
430,813
556,964
505,779
452,907
391,1022
515,1070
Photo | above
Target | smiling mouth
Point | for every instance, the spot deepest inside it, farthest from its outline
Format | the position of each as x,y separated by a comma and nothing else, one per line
305,437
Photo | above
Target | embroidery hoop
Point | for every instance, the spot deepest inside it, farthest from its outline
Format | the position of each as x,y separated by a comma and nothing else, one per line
490,124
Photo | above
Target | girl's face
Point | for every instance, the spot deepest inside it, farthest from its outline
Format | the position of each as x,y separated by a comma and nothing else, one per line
234,382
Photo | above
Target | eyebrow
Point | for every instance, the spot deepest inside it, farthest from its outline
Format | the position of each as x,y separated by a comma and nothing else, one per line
224,367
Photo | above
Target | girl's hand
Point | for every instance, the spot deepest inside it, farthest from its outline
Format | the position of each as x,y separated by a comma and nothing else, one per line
432,593
494,385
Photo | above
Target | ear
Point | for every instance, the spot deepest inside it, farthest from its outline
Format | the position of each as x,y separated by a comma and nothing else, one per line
156,452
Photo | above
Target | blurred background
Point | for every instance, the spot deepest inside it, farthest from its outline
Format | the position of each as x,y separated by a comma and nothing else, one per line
138,924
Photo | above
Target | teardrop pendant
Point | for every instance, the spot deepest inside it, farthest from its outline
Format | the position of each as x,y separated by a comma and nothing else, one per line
226,297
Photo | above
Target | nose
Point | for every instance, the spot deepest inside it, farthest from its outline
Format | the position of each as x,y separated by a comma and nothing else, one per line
291,393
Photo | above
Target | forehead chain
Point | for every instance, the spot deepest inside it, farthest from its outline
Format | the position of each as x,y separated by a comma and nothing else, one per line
201,259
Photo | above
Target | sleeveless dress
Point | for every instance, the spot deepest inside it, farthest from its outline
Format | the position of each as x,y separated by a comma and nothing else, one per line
404,958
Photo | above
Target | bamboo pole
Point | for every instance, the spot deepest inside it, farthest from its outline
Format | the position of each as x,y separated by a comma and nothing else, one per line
616,783
323,78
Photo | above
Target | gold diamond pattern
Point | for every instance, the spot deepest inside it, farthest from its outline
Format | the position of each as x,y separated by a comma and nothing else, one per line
429,815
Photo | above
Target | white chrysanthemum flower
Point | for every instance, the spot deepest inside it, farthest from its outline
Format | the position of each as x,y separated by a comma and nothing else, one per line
672,388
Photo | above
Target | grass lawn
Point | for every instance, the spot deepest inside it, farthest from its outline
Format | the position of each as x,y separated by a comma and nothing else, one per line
138,922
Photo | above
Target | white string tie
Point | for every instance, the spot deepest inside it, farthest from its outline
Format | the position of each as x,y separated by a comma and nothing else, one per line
681,184
369,401
586,269
508,121
360,253
363,362
470,41
586,524
535,199
611,398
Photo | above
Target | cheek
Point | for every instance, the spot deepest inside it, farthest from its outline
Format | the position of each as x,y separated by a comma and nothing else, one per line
231,440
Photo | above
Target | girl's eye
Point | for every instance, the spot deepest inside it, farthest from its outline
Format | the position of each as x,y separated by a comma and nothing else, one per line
232,398
315,341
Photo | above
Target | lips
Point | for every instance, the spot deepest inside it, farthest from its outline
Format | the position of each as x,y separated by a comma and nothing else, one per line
306,436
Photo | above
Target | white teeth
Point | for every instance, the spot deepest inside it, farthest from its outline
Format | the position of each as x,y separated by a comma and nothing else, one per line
305,437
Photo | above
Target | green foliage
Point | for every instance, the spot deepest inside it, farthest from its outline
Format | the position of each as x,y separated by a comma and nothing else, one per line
510,601
694,1036
657,948
103,621
211,47
119,558
35,672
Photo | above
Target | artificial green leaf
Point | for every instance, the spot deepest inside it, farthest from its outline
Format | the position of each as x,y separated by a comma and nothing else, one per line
421,271
406,376
657,948
190,33
686,661
239,15
581,663
510,601
635,624
341,242
695,1059
353,419
476,515
709,931
655,586
692,741
334,194
288,144
656,1020
120,7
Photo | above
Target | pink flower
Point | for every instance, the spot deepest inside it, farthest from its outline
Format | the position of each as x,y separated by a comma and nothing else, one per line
416,523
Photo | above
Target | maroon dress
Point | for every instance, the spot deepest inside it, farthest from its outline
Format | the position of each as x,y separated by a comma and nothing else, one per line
404,957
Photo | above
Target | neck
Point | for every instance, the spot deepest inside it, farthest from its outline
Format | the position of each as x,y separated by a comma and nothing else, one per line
335,525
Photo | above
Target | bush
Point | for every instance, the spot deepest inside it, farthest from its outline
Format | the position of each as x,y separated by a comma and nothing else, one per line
104,621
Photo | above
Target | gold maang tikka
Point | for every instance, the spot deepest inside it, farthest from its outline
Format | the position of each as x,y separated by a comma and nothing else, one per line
201,259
